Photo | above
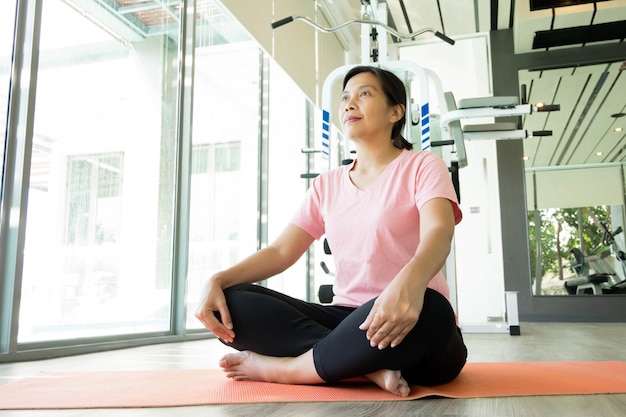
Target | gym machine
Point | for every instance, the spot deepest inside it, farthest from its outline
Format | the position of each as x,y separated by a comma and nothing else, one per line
594,275
452,144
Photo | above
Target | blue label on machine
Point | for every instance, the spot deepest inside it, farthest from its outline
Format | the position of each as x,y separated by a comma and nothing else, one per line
325,133
425,127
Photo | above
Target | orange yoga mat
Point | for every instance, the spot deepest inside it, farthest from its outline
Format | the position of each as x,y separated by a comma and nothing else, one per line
171,388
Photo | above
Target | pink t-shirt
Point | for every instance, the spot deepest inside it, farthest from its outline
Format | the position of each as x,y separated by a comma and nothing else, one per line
373,233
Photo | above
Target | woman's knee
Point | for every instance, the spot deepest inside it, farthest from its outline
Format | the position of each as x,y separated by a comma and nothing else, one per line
437,310
237,289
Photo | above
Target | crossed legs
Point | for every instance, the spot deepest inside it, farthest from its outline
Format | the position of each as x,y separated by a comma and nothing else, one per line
285,340
247,365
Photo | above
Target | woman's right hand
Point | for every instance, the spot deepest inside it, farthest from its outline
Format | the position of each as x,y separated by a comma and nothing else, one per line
212,300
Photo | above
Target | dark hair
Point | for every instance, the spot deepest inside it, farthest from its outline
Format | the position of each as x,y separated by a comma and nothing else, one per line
395,92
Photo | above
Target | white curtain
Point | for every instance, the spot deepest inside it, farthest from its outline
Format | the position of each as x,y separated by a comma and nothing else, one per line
574,187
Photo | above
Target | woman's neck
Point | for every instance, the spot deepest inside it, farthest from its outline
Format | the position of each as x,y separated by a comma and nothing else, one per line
373,159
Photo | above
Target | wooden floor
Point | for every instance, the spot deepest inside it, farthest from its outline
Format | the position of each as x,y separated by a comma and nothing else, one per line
538,342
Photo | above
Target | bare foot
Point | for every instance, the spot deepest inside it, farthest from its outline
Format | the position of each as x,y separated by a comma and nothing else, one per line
246,366
251,366
391,381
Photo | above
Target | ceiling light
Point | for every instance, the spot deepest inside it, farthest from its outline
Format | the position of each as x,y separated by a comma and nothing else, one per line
618,129
540,104
599,153
525,158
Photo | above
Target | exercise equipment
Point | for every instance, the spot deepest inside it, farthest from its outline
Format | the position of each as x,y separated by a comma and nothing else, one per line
604,279
452,143
608,239
364,21
373,48
373,51
586,282
483,107
325,292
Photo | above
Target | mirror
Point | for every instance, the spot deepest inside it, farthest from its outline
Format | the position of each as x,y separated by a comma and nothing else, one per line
575,229
575,180
576,251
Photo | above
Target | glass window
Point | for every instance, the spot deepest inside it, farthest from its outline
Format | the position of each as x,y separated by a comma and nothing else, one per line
99,238
227,157
223,206
98,248
94,199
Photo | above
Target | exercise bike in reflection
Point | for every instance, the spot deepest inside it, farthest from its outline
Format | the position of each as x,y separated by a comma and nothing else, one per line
604,279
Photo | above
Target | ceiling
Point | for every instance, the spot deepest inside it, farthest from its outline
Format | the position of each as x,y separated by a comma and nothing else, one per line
576,51
580,50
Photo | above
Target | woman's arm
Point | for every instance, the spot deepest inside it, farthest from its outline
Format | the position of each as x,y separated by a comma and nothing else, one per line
397,309
263,264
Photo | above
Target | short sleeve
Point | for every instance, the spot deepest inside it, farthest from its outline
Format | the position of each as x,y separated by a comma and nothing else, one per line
308,216
433,181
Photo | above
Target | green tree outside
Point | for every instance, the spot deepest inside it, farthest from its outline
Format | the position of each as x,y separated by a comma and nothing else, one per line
560,230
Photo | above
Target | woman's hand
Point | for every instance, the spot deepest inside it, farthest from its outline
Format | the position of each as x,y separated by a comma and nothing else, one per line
288,247
398,308
393,315
212,300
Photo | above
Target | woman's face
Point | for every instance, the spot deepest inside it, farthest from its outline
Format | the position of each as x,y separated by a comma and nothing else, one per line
364,110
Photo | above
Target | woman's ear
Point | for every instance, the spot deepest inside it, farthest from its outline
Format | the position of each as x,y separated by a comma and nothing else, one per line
398,112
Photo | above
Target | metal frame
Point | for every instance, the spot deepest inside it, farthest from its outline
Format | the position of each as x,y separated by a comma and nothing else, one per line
17,164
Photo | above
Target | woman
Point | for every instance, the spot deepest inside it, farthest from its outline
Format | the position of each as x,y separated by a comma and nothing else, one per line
389,219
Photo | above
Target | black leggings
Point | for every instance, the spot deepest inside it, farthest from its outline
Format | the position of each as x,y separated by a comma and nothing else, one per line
274,324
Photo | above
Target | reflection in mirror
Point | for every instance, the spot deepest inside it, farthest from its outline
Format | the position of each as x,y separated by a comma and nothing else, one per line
575,230
574,251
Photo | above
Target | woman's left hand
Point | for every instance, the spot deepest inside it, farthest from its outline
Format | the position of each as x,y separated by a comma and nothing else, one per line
393,315
398,308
